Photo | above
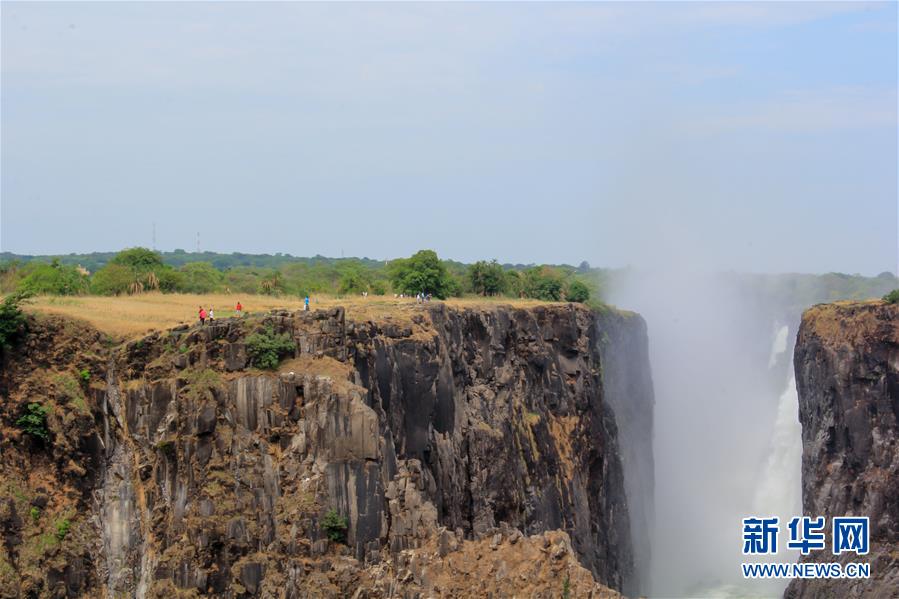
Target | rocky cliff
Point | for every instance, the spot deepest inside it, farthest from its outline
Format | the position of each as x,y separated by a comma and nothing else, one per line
847,375
627,387
437,450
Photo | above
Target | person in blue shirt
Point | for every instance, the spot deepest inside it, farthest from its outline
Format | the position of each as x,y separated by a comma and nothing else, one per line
306,306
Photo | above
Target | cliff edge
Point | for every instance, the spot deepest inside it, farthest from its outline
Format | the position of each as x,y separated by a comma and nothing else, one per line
423,454
847,375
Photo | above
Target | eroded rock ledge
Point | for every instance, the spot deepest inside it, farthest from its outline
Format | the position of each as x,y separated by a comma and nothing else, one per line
441,432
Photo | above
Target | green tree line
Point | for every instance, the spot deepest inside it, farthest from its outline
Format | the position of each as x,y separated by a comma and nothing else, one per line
140,270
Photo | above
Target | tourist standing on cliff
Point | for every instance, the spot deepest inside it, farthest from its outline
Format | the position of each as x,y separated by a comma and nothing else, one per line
306,305
238,308
202,315
211,314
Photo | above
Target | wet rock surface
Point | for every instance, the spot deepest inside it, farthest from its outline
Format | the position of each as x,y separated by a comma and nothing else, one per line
847,375
195,473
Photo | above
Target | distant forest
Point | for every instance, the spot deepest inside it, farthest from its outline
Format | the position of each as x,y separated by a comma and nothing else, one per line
138,270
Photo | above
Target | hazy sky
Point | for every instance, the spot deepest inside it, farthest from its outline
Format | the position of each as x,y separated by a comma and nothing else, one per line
754,136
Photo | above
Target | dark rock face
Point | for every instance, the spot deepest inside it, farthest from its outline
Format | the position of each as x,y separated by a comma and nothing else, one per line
502,412
627,386
847,375
430,427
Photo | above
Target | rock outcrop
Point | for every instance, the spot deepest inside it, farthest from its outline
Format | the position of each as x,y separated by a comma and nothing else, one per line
382,458
847,375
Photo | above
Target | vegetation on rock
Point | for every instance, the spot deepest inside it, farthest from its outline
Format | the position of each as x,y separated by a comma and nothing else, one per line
892,297
62,528
12,319
577,292
265,349
34,421
335,526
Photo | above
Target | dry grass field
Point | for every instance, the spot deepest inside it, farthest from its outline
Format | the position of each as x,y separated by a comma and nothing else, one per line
129,316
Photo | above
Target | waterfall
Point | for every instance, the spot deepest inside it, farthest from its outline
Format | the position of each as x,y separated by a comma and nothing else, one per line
779,491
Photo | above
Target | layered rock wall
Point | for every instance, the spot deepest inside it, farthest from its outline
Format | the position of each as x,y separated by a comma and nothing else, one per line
195,473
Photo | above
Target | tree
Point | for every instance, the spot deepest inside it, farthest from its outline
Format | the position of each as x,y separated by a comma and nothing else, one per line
892,297
140,259
133,271
112,279
171,280
54,279
577,292
543,283
12,320
487,278
272,284
422,272
201,277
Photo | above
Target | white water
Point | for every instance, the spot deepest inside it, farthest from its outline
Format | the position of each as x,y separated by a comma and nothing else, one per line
779,346
726,438
778,489
779,492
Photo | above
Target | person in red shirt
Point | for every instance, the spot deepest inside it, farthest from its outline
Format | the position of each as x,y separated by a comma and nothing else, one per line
202,315
239,308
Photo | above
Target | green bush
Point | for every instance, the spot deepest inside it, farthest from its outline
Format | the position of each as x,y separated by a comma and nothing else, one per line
543,283
577,292
12,319
85,374
35,513
54,279
34,421
112,279
335,526
171,280
201,277
352,282
62,528
265,349
892,297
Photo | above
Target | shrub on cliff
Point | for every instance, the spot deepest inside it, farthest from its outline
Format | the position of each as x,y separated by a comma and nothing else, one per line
577,292
422,272
12,319
334,525
34,421
892,297
265,349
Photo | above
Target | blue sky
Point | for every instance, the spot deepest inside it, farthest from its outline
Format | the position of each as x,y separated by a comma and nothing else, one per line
753,136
